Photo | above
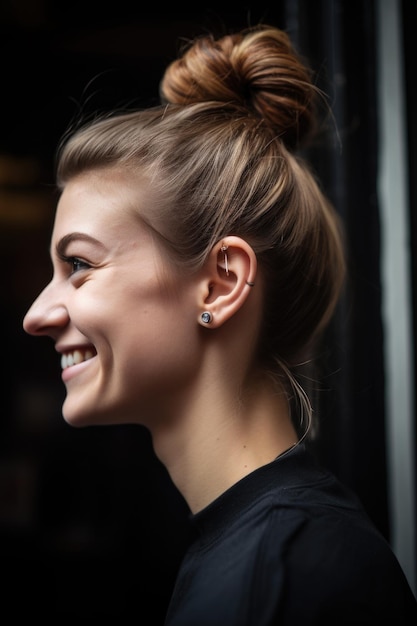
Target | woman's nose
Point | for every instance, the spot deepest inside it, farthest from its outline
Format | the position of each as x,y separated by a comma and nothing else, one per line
45,315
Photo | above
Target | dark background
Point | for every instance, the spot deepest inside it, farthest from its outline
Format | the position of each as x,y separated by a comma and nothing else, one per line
90,524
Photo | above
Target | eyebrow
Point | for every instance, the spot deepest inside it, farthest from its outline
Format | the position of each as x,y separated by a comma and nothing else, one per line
63,243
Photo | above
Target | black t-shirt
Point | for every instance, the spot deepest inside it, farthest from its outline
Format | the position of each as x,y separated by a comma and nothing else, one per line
289,545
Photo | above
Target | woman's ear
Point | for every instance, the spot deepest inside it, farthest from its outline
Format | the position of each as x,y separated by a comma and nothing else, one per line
227,280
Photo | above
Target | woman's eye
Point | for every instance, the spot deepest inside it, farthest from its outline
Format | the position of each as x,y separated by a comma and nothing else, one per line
76,264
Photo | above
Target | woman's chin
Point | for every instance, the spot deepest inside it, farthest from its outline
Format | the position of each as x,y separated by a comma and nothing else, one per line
80,417
78,421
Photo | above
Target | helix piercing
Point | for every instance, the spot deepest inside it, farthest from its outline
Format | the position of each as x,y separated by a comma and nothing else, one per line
206,317
226,260
248,282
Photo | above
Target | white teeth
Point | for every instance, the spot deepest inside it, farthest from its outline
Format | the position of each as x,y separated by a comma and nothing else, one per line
73,358
77,356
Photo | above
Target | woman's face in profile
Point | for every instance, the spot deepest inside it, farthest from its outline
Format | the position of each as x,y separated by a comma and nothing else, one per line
123,320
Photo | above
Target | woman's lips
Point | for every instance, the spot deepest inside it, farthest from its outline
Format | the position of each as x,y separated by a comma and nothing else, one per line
74,361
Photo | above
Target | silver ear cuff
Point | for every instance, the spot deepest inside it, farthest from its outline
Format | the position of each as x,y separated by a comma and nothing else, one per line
226,258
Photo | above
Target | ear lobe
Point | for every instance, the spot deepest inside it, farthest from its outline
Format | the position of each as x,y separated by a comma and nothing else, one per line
229,279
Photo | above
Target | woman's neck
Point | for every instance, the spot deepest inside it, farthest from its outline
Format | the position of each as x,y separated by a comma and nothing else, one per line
219,439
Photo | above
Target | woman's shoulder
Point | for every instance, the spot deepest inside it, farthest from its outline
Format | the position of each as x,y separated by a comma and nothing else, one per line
332,553
325,516
334,561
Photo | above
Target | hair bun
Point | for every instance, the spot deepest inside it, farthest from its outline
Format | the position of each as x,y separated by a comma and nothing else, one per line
257,69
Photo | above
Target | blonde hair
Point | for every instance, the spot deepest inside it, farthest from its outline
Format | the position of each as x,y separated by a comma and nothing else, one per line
220,157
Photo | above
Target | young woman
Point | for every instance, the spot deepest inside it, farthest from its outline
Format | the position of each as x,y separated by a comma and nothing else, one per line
196,262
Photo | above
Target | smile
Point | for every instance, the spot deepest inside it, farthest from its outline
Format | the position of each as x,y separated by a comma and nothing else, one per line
75,357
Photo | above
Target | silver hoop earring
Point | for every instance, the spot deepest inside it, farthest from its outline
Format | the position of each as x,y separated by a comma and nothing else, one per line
206,317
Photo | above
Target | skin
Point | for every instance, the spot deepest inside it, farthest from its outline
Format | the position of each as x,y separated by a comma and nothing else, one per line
114,296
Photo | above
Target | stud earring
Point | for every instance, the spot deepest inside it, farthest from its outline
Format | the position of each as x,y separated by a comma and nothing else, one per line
206,317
